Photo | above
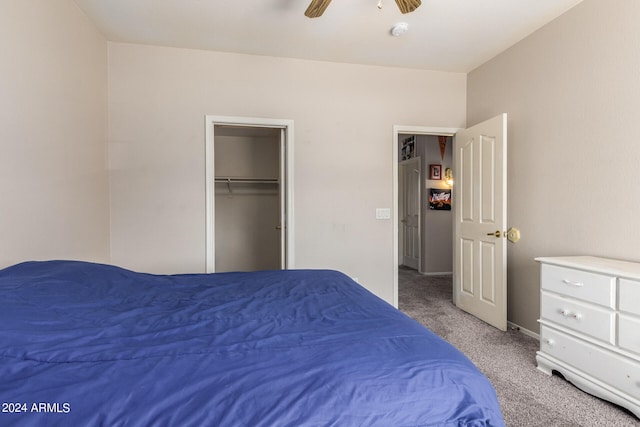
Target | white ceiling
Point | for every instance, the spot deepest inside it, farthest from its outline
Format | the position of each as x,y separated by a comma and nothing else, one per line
444,35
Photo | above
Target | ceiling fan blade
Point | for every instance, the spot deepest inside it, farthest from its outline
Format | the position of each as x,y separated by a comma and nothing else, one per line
316,8
407,6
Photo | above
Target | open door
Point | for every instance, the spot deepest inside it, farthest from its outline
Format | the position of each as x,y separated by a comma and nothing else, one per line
480,220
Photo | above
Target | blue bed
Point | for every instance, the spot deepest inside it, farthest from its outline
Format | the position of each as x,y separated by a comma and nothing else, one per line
92,344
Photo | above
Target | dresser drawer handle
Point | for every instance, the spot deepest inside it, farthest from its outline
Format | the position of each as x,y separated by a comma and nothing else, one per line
569,282
568,313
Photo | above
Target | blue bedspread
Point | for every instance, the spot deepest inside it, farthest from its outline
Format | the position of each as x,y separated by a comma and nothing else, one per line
88,344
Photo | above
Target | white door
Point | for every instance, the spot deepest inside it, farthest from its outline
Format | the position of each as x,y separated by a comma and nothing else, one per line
480,219
410,209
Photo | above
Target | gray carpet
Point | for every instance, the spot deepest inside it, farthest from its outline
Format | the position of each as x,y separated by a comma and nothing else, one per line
527,396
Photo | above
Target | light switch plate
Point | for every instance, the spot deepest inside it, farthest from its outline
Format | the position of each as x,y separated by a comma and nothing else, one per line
383,213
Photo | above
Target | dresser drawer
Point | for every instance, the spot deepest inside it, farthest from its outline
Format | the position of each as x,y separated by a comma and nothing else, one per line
591,287
591,320
610,368
630,296
629,333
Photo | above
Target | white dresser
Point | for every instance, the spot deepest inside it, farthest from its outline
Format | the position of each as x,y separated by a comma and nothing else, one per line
590,325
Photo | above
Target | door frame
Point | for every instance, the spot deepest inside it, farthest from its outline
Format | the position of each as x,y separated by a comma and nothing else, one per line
412,130
286,143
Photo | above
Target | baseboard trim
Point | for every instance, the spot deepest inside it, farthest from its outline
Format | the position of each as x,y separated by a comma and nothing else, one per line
527,332
441,273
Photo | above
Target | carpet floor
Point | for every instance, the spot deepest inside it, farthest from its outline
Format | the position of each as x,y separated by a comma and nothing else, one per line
528,397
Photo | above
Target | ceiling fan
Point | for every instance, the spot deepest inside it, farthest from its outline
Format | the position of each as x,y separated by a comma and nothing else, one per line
317,7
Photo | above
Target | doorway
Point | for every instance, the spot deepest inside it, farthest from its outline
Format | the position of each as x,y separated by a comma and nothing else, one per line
401,133
249,194
424,204
480,216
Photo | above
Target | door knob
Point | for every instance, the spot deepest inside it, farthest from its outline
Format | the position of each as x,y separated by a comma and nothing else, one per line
513,235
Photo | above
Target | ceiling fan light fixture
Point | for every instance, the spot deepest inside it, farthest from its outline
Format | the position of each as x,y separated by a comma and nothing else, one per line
399,29
317,7
408,6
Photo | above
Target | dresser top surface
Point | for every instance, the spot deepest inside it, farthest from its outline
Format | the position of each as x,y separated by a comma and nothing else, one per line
608,266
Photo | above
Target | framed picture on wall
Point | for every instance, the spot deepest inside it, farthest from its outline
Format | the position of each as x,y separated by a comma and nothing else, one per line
435,171
408,148
440,199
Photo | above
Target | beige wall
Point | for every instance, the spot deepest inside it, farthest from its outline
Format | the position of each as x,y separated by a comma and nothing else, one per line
53,126
572,92
343,114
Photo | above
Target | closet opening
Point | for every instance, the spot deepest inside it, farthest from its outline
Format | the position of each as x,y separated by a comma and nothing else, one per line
248,194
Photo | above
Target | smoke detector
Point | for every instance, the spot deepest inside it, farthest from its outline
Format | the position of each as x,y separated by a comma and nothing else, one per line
399,29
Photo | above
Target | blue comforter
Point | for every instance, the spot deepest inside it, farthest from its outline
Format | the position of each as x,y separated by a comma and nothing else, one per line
90,344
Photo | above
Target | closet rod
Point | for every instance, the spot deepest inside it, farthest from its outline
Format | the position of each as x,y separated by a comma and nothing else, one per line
229,180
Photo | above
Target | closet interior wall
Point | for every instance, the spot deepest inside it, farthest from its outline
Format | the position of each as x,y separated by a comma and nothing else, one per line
247,198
